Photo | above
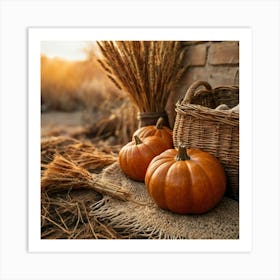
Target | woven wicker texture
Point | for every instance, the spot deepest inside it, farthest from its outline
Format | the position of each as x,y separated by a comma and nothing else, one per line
200,124
140,217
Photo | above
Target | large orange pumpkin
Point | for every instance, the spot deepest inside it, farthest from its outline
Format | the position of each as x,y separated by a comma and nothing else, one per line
185,181
156,130
135,156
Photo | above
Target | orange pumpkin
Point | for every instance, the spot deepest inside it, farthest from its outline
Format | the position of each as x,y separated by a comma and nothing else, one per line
135,156
156,130
185,181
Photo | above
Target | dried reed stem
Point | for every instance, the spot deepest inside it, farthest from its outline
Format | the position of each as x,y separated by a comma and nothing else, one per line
63,173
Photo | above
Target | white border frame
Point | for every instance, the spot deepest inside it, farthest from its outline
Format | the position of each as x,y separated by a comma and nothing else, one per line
243,35
262,16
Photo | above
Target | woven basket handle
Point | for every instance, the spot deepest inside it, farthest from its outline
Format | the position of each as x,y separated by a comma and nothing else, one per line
192,90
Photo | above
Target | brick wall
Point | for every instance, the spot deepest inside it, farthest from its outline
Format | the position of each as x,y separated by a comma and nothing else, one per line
215,62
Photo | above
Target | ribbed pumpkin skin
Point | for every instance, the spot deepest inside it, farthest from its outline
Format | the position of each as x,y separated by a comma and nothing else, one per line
186,186
135,158
156,130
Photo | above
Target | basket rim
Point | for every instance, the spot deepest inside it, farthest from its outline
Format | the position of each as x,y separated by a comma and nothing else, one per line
184,105
205,113
202,88
182,108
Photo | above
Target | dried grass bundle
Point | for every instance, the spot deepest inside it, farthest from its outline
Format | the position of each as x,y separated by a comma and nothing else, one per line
147,70
63,173
52,145
84,154
89,157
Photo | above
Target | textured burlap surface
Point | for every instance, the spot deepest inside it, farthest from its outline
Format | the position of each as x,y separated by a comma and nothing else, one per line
142,218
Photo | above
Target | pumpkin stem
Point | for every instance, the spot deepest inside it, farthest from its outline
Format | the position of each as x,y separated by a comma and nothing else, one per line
159,123
137,140
182,153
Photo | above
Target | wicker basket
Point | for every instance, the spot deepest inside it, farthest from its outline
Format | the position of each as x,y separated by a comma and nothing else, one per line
200,124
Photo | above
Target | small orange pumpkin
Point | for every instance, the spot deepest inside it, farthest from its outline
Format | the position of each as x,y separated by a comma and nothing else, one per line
135,156
156,130
185,181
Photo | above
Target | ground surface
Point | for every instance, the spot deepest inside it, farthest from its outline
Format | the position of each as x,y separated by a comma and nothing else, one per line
71,124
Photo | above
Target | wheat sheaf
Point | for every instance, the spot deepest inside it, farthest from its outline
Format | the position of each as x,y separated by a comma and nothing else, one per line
147,70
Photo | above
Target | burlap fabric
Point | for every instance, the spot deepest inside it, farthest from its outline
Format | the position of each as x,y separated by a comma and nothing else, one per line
140,217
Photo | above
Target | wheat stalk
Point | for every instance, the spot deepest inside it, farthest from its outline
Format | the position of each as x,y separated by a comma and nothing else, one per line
147,70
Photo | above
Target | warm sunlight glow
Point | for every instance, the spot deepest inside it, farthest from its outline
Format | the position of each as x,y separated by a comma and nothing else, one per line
69,50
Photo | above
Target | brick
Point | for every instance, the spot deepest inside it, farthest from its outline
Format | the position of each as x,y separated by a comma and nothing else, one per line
224,53
216,76
196,55
224,76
